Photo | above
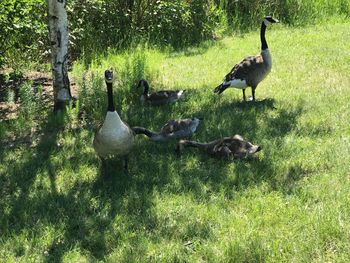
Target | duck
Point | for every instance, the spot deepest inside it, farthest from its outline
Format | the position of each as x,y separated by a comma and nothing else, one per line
251,70
234,146
173,129
159,97
114,137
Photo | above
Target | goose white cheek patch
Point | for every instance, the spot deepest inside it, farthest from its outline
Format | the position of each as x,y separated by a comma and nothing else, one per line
236,83
266,22
180,93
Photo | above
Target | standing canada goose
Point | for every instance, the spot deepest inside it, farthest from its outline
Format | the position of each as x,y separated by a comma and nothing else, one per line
234,146
251,70
159,97
173,129
114,137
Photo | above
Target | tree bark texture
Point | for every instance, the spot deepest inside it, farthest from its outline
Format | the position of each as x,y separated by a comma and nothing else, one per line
59,39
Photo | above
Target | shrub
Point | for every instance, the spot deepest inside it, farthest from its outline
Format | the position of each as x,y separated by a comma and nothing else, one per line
96,25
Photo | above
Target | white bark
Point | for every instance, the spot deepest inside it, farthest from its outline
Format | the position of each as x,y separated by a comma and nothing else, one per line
58,27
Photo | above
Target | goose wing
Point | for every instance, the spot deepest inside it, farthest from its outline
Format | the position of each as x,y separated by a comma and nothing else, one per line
176,125
98,126
164,96
234,145
244,68
221,148
240,147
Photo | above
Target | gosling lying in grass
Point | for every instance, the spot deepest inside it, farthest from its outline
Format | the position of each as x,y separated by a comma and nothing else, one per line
159,97
234,146
173,129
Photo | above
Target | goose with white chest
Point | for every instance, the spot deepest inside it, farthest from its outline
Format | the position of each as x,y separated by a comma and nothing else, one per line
114,137
251,70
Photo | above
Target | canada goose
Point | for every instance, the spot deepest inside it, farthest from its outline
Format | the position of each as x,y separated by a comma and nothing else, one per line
114,137
159,97
173,129
251,70
234,145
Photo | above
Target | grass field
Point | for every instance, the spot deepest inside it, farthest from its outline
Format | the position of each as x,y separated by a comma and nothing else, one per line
289,204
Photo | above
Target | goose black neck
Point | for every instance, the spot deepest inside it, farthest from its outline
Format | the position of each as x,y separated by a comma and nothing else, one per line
142,130
110,97
145,87
262,36
194,144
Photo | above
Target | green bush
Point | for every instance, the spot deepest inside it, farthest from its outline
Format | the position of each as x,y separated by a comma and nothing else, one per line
97,25
244,14
23,32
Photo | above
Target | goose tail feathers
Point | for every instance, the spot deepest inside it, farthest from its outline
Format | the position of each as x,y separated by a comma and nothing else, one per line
220,89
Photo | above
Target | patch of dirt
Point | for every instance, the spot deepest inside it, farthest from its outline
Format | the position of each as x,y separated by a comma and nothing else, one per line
9,109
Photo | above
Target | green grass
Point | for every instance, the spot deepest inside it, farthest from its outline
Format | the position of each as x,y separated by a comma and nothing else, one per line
290,204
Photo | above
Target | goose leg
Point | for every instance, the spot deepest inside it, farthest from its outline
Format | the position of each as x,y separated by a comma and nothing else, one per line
104,167
126,162
243,90
253,93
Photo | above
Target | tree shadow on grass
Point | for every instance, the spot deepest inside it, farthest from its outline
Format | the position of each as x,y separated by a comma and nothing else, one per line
21,208
21,174
85,212
88,211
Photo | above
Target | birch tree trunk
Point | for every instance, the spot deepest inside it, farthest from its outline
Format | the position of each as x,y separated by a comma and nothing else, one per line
58,28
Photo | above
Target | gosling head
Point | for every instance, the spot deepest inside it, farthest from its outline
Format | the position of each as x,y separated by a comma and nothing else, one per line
269,20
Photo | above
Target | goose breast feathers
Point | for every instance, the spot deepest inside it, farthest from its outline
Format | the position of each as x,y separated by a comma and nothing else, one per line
114,137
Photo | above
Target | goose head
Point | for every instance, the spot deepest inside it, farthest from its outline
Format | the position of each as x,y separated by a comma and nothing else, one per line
246,147
144,85
109,76
254,149
269,20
